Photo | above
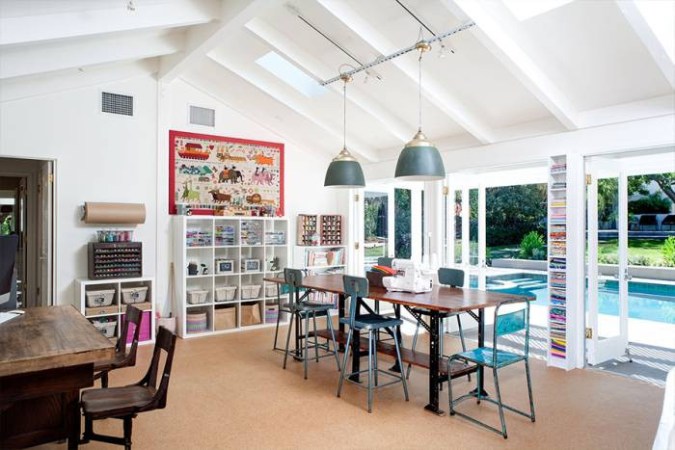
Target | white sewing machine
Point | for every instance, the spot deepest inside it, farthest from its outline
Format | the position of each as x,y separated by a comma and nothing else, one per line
409,277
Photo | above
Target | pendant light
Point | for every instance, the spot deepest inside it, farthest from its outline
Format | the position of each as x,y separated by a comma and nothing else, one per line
344,171
420,160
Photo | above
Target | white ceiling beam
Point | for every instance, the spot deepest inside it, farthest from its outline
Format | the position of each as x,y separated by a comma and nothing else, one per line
505,47
53,56
358,148
646,35
233,15
433,91
43,27
390,123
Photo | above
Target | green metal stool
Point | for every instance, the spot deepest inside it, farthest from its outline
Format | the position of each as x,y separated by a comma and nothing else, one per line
494,358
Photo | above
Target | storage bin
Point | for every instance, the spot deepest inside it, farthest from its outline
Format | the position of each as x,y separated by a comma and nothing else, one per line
250,314
134,294
146,324
249,291
225,318
100,298
225,293
271,290
271,313
106,328
197,296
196,322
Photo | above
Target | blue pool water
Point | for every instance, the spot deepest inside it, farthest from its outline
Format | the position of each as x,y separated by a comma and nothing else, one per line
649,301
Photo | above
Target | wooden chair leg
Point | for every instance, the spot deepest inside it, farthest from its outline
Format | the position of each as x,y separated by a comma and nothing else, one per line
88,430
104,380
127,432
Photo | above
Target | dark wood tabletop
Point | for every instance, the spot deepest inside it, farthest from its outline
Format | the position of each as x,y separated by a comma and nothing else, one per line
49,338
440,298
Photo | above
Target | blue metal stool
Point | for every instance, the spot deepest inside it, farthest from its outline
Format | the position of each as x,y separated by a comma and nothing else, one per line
302,309
357,288
504,323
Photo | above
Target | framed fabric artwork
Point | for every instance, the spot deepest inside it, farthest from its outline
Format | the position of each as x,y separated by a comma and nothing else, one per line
215,175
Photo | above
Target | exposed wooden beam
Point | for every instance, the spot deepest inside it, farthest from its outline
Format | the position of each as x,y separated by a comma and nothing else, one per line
432,89
199,41
282,44
356,147
27,28
78,53
646,35
505,47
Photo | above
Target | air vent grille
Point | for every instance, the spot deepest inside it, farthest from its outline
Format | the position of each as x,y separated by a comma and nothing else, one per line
117,104
202,116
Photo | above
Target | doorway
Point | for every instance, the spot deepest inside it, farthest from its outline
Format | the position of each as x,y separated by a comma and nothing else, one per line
630,307
26,209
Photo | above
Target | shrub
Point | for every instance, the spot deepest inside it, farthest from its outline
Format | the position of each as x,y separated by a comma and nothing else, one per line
532,246
668,251
652,204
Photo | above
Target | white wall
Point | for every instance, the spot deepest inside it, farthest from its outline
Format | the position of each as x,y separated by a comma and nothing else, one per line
104,157
99,157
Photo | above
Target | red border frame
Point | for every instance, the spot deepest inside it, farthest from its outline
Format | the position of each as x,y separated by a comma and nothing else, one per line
173,134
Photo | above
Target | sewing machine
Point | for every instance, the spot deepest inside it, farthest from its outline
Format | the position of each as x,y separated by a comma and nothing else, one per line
409,277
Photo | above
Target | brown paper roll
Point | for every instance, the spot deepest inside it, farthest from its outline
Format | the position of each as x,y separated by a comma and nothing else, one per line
95,212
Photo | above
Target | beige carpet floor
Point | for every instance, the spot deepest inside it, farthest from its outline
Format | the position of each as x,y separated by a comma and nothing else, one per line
229,391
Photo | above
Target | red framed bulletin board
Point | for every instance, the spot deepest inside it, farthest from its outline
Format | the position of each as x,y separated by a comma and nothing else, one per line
216,175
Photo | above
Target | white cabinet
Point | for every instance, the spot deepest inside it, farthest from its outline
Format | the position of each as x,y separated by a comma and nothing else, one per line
104,303
317,260
219,266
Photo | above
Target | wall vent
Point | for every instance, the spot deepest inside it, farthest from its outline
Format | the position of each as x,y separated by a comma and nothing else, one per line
202,116
117,104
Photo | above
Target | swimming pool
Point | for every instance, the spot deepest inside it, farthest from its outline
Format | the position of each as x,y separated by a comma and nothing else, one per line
648,301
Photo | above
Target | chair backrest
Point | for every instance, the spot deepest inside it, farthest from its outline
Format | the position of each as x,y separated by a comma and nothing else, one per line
355,287
385,261
516,319
8,247
165,342
135,316
293,278
451,277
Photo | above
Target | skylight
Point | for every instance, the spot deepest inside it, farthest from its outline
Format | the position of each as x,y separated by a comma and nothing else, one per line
291,75
526,9
660,16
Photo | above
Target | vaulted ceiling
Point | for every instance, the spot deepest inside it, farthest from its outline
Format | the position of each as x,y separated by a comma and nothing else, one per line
578,64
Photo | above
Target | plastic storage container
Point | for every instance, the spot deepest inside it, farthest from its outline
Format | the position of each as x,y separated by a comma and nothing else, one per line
225,293
134,295
100,298
197,296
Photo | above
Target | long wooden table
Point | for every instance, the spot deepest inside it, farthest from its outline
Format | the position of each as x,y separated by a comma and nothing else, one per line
442,299
46,356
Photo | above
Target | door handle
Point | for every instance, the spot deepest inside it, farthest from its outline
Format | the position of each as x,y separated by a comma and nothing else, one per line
626,275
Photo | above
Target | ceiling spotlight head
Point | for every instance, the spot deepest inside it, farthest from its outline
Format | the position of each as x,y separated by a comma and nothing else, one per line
423,46
131,6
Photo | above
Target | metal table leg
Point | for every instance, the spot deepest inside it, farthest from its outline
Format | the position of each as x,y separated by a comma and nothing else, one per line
434,364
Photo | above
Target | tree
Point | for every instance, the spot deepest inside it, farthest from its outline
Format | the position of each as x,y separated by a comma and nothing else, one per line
665,181
513,211
402,224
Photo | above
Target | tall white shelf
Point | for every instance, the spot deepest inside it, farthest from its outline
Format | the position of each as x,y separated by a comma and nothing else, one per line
232,256
121,290
321,260
565,262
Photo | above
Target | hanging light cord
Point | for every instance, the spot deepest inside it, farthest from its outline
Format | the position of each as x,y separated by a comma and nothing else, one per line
344,114
420,90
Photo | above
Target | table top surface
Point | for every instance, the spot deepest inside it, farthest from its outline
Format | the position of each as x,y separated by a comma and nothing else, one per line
441,298
48,338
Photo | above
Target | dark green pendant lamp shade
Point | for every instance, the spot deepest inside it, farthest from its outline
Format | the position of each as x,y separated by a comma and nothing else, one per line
420,161
344,172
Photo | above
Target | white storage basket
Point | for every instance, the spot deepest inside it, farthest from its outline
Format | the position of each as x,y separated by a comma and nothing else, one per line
197,296
134,295
225,293
250,291
100,298
106,328
271,290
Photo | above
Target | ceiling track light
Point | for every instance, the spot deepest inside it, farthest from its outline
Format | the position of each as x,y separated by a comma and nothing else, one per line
403,51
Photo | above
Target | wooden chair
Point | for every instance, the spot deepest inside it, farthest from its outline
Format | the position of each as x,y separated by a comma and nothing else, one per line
122,358
126,402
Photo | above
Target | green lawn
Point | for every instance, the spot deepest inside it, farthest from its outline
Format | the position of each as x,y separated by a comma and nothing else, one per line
643,252
374,252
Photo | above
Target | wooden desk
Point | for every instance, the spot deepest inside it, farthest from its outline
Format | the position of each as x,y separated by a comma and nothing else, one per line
441,299
46,356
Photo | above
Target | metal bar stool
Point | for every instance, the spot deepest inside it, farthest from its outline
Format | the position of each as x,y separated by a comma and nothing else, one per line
357,288
302,309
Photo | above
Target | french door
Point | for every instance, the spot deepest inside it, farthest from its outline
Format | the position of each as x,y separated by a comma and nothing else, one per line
607,219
